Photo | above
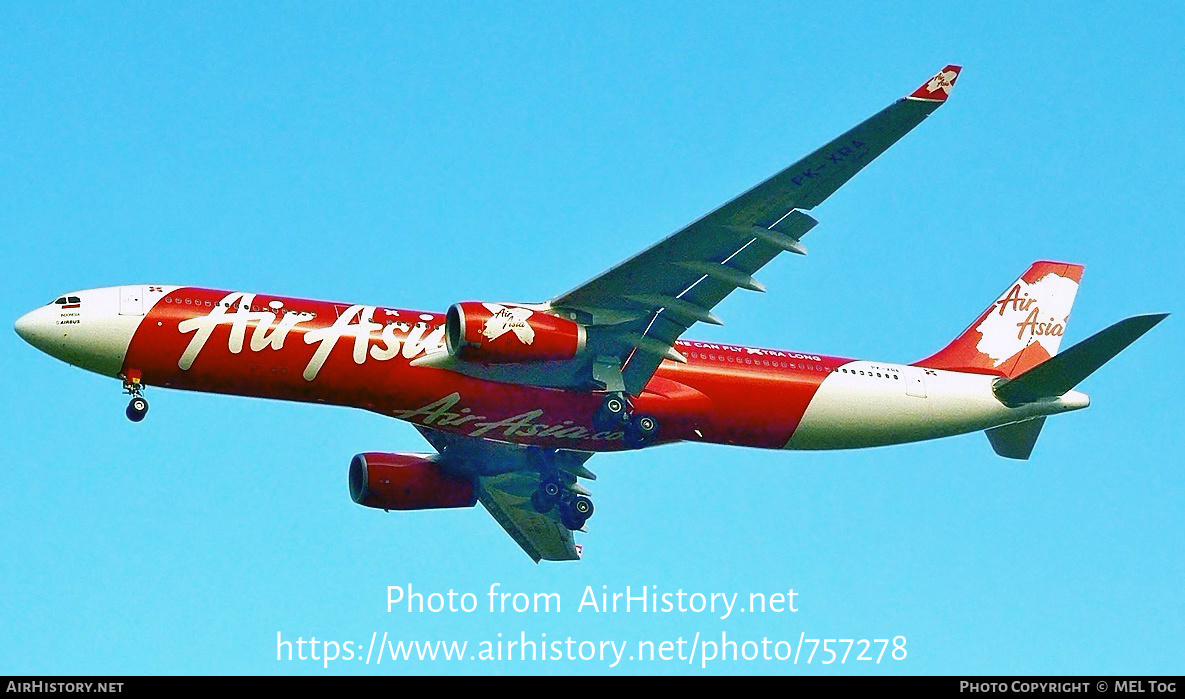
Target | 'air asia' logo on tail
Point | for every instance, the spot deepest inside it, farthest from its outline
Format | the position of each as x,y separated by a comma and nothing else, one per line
1027,313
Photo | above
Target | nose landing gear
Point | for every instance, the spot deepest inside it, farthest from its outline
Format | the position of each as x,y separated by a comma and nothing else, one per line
138,406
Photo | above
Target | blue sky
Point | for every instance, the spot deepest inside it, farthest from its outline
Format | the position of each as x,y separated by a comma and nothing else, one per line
418,154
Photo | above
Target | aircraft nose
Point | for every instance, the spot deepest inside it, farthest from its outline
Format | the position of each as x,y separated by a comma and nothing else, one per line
83,328
24,326
36,328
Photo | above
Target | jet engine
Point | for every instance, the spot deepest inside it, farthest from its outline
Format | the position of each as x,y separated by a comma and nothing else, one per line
407,482
497,333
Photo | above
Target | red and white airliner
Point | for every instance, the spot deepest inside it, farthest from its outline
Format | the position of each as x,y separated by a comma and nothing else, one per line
516,397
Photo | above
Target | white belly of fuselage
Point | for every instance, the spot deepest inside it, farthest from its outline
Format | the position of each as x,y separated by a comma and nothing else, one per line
866,404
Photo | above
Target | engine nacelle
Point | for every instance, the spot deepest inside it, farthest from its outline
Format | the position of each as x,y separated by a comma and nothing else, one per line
406,482
498,333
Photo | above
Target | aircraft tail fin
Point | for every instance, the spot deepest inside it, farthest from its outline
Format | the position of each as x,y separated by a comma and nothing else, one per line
1016,441
1020,330
1063,372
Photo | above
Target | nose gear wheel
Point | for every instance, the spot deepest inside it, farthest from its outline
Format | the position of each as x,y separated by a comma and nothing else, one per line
138,406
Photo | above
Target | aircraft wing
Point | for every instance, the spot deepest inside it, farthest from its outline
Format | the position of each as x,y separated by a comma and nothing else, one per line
644,304
506,475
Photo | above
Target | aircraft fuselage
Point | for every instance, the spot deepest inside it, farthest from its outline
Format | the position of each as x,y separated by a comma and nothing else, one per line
362,356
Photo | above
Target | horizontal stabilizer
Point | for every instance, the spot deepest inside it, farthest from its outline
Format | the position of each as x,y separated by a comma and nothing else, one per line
1067,369
1016,441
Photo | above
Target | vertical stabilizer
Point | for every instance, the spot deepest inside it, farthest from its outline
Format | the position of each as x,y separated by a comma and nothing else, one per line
1021,329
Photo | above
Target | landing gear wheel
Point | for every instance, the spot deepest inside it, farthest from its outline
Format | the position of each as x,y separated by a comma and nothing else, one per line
549,493
137,409
641,431
572,522
575,512
582,507
645,426
613,414
541,502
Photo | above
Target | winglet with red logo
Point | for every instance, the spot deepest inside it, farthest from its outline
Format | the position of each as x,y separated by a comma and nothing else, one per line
938,88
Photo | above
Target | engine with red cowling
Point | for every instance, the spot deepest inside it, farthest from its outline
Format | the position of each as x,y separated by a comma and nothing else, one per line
407,482
497,333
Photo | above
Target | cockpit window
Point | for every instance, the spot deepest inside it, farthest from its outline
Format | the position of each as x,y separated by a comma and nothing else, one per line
73,299
61,299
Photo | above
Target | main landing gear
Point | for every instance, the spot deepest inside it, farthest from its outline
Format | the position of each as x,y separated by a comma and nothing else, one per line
138,406
616,413
553,491
559,471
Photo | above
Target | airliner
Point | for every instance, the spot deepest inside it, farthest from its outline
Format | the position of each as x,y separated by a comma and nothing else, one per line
515,398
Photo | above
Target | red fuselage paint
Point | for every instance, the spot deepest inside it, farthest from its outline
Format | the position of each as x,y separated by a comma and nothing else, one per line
360,356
